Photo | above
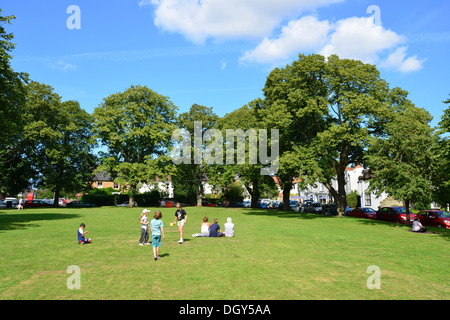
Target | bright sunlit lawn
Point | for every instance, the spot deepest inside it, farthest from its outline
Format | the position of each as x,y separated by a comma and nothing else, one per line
274,256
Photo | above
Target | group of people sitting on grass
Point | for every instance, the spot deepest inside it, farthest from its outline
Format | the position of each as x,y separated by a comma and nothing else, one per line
213,230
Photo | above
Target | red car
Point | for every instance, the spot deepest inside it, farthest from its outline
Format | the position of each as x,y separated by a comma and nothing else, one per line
435,218
207,204
366,213
394,214
36,204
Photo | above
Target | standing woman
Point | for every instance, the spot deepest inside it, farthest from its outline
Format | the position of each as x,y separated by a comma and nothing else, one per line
181,219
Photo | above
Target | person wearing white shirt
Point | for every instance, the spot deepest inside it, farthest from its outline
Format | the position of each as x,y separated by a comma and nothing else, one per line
417,226
229,228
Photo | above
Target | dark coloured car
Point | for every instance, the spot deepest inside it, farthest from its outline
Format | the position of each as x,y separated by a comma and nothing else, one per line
365,213
79,204
394,214
312,207
36,204
434,218
329,209
235,205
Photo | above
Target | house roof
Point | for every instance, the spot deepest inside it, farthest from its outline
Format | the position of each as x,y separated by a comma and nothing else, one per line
102,176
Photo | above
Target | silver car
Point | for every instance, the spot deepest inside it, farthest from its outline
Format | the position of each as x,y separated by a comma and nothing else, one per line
312,207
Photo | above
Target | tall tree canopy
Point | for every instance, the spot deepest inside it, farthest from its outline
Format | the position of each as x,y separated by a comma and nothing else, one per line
194,174
15,170
326,110
246,118
400,159
440,166
136,127
60,136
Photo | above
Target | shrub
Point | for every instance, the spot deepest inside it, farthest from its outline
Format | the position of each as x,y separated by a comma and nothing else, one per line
352,199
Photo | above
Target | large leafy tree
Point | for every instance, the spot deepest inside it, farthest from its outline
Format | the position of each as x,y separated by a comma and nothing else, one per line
326,110
192,175
401,158
440,168
60,136
136,127
15,170
245,119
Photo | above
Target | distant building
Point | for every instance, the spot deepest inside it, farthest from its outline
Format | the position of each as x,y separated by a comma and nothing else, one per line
356,179
160,185
103,180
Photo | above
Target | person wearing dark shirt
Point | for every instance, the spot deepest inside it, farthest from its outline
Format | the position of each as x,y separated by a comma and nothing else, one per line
214,230
181,219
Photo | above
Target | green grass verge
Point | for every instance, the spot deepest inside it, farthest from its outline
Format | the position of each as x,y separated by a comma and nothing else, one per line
274,256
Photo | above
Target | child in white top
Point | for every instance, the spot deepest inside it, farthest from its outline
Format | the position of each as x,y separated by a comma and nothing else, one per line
204,228
229,228
144,228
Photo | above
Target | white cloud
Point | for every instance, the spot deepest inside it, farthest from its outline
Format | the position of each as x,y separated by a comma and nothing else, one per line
298,36
143,3
220,20
63,66
356,38
397,60
360,39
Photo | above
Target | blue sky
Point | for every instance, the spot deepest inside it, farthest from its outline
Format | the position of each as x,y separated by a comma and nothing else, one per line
218,53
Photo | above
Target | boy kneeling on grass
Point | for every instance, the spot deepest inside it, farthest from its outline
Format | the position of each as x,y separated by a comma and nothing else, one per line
81,234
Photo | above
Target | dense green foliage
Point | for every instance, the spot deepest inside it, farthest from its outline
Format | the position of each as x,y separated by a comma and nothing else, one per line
331,113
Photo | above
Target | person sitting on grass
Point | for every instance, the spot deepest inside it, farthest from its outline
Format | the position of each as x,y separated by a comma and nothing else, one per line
81,234
214,230
229,228
204,228
418,227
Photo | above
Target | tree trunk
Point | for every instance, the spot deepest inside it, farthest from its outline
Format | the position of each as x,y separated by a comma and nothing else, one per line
286,195
341,198
199,198
197,172
407,203
56,196
199,193
131,201
254,193
132,196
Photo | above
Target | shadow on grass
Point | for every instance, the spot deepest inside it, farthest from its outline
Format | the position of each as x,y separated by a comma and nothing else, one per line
431,230
307,216
26,220
285,214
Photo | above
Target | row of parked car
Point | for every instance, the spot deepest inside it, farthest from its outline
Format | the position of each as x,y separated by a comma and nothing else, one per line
432,218
43,203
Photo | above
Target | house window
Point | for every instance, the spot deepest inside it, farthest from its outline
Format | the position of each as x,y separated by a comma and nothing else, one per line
100,185
116,185
368,199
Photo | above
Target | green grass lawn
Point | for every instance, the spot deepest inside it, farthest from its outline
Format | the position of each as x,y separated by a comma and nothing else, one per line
274,255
